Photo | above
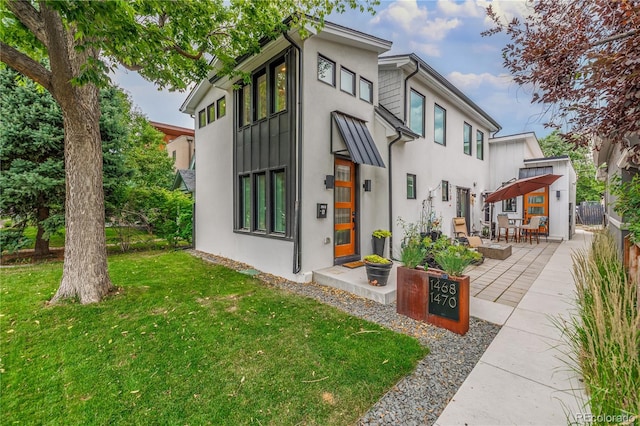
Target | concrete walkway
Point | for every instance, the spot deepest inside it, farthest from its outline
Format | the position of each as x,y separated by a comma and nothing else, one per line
525,376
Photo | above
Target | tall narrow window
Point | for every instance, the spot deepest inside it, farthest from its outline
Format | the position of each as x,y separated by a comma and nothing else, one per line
445,190
326,71
261,202
440,125
278,201
347,81
416,115
261,97
245,202
466,138
509,205
221,107
211,113
411,186
202,118
480,145
366,90
280,87
246,105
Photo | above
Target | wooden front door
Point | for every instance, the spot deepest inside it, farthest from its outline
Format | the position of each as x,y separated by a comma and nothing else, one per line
536,203
344,208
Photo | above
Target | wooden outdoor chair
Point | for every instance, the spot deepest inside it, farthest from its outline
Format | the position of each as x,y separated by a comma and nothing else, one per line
503,223
532,227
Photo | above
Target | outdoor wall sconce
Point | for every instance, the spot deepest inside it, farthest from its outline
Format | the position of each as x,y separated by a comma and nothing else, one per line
557,195
367,185
328,182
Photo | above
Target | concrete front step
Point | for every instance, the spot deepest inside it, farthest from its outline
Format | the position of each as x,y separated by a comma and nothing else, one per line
355,281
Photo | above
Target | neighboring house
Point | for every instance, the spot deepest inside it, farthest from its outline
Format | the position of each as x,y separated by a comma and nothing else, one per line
179,142
185,181
520,156
611,160
328,143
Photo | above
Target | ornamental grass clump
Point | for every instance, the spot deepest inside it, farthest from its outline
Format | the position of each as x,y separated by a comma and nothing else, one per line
605,335
455,258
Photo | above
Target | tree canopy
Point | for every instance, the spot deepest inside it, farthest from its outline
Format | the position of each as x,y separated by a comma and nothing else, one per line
168,42
582,59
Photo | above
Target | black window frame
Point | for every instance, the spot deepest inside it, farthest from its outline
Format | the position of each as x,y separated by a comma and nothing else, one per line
444,187
424,103
479,144
444,124
353,80
272,88
256,95
333,68
202,118
466,143
224,110
411,186
211,112
370,83
510,205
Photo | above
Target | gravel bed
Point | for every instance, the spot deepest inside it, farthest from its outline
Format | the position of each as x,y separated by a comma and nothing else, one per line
419,398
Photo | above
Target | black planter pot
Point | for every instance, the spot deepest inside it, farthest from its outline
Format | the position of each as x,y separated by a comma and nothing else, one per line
378,245
378,273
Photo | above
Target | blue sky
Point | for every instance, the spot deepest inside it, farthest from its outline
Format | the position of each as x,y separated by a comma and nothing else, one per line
445,34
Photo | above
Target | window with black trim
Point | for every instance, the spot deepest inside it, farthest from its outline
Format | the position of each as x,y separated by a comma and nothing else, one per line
416,113
347,81
444,186
211,113
366,90
202,118
260,186
326,70
279,86
278,202
245,100
509,205
260,97
411,186
439,125
480,145
245,202
466,138
221,107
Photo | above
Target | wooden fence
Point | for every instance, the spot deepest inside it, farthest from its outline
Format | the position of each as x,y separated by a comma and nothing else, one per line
590,213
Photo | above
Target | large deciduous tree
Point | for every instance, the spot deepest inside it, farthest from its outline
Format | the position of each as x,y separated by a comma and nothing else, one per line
166,42
582,58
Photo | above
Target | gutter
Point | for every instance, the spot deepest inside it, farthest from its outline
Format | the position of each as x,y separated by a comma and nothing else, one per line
391,191
406,98
297,263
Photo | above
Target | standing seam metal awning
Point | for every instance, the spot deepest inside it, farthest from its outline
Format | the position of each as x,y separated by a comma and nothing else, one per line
359,142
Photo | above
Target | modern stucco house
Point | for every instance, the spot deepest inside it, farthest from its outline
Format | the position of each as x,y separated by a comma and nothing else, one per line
519,156
329,142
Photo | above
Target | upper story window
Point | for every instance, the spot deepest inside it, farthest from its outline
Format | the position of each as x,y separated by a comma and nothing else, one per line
366,90
326,70
221,105
347,81
261,96
280,87
480,145
202,118
416,114
411,186
466,138
245,112
445,190
440,125
211,113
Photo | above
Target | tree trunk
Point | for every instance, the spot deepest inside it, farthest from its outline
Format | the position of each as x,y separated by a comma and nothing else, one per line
85,274
42,245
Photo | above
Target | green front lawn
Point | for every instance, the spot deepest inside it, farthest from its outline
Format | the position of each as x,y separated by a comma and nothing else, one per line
113,234
186,342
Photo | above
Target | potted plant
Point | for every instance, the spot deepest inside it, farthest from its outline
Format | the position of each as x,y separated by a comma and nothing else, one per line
378,239
454,258
378,269
411,295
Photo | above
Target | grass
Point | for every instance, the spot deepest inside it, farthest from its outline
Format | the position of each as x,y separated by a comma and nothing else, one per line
112,234
605,337
186,342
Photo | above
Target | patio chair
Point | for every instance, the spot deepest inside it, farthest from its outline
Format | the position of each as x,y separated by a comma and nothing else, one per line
460,233
503,223
532,227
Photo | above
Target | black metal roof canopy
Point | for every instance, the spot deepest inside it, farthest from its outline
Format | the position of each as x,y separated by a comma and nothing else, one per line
359,141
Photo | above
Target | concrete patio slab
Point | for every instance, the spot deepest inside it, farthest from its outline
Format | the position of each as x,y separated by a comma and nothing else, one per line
489,311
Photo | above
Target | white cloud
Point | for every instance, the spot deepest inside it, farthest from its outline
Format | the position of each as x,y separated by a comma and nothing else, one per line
468,8
429,49
414,19
471,81
507,9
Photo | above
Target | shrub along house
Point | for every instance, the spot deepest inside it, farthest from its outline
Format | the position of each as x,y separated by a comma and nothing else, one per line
327,143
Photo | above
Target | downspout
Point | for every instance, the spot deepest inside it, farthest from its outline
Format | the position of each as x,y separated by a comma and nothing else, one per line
406,98
391,192
297,264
